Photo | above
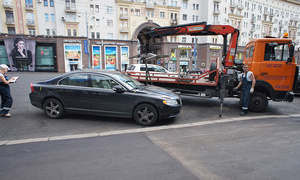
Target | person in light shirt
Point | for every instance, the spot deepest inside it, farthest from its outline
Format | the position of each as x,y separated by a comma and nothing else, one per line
247,83
5,94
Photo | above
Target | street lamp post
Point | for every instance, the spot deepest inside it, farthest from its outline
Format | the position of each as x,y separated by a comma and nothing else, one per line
87,15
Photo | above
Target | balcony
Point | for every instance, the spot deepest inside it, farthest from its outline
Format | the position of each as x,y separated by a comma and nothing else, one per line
7,4
233,5
216,22
217,11
174,22
29,7
124,29
30,22
266,13
272,14
123,16
150,6
70,9
240,7
252,29
217,1
253,20
9,21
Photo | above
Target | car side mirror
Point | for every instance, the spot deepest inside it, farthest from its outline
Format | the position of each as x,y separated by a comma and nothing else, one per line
118,89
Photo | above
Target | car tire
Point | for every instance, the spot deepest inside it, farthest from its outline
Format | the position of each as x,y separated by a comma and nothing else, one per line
145,115
258,102
53,108
212,76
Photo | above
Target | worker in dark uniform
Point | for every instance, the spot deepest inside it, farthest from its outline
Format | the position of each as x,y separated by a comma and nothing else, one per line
247,82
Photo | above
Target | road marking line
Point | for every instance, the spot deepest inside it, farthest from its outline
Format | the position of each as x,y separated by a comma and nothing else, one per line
146,129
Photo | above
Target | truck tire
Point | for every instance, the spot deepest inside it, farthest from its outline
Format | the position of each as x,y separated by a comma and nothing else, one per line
213,66
258,102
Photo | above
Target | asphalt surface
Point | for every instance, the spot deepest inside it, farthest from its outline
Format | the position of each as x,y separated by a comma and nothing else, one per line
195,145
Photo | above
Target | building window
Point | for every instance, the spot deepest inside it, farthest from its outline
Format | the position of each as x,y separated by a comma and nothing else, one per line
183,53
48,32
11,30
31,31
98,22
196,18
110,35
45,2
91,8
51,3
194,6
71,18
97,8
184,39
74,32
162,14
93,35
193,17
137,12
108,9
69,32
98,35
184,17
53,32
109,23
184,5
197,6
46,17
53,17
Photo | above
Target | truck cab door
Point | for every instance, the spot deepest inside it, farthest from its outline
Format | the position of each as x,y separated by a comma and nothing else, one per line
275,69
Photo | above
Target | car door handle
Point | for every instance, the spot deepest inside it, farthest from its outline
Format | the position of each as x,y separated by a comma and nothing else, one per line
97,93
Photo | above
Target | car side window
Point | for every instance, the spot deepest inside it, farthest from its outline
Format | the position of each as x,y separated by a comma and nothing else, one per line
75,80
251,51
247,52
159,69
104,82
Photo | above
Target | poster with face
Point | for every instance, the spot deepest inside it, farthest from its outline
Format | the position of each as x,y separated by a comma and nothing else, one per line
21,54
110,57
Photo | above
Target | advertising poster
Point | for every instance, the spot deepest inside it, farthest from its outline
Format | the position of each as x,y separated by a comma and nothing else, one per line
96,57
173,54
21,54
125,55
72,51
110,57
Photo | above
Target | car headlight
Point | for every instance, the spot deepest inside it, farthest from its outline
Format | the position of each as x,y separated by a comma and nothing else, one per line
170,102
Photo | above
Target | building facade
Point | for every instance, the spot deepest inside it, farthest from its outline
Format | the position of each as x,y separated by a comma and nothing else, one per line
106,33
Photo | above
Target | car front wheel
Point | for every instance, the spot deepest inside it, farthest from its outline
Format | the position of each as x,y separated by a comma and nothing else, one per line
145,115
53,108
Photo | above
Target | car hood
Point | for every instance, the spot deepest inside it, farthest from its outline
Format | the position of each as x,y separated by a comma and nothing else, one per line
159,90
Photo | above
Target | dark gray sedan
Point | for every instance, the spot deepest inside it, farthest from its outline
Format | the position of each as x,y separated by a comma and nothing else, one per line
105,93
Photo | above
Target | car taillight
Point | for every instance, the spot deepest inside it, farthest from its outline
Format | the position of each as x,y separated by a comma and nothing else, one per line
32,89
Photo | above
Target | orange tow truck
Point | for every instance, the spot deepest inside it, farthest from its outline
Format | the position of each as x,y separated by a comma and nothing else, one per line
270,59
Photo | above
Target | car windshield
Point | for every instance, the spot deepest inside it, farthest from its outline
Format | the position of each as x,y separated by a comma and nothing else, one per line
130,82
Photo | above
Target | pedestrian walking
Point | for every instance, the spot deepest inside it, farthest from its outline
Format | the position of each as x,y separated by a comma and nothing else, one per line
247,83
6,98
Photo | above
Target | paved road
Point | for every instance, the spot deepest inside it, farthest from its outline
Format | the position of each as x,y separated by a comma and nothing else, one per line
249,149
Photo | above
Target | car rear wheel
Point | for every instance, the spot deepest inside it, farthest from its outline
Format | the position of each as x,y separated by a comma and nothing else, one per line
53,108
145,115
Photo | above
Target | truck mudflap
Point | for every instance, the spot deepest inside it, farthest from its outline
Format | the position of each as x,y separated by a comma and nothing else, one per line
290,97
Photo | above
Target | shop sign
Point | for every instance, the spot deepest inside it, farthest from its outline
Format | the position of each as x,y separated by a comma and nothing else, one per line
184,47
72,41
184,63
214,47
73,62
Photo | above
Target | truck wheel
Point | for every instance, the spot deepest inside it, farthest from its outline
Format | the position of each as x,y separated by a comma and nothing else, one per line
145,115
258,102
213,66
53,108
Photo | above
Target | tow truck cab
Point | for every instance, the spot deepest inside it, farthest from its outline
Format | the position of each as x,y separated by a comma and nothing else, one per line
273,64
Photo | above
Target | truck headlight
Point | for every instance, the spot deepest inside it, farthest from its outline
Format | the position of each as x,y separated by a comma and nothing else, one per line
170,102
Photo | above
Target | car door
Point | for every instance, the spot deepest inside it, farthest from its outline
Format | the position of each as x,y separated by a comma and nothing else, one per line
275,68
73,91
105,100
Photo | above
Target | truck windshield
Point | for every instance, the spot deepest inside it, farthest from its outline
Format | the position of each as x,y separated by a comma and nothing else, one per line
276,53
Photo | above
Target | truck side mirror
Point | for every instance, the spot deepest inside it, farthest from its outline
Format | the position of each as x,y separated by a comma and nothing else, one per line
291,53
